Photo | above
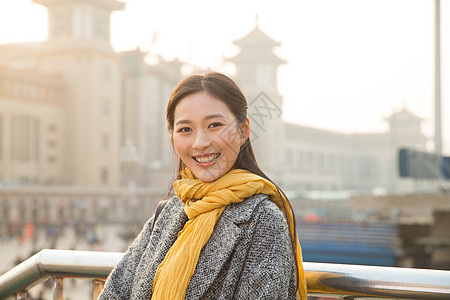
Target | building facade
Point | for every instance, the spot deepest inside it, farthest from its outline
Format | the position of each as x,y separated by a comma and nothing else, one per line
75,113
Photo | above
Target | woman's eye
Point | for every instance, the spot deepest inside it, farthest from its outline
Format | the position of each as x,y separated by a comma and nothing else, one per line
215,124
184,129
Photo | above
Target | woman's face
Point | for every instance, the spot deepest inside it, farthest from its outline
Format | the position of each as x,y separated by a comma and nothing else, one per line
207,136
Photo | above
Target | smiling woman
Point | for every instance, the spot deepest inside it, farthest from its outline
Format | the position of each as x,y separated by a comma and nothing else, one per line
230,231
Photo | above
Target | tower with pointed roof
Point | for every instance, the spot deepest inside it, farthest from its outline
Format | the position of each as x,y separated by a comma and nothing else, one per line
257,75
80,23
404,132
256,63
79,50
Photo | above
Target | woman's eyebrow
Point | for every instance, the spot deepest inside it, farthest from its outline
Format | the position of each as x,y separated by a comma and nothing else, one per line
214,116
183,122
208,117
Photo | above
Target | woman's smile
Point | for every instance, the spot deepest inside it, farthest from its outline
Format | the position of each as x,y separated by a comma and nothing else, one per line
206,158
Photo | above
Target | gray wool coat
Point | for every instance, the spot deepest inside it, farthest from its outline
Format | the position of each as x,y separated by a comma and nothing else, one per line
248,255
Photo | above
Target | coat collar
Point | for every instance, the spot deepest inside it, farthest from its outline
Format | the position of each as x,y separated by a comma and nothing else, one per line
240,213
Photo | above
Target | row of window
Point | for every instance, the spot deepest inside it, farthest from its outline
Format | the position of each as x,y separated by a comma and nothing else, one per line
25,144
25,139
77,23
28,90
363,167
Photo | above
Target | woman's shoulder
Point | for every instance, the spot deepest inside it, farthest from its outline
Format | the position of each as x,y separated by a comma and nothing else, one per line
173,203
171,206
258,205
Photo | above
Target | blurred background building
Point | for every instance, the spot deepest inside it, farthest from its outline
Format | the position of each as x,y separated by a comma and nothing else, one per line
72,110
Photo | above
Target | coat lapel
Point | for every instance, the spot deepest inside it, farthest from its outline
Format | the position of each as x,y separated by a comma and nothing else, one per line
213,256
165,232
217,251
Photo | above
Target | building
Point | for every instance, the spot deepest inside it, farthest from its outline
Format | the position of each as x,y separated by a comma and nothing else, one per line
75,113
61,109
324,160
301,158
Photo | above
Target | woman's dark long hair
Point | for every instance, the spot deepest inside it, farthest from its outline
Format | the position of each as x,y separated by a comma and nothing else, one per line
225,89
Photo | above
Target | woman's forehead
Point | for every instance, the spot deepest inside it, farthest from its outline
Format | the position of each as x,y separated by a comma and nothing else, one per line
201,105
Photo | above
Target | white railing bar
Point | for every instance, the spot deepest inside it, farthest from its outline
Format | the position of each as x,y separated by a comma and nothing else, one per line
58,263
322,278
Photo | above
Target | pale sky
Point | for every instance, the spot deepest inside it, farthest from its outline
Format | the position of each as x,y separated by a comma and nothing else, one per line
351,63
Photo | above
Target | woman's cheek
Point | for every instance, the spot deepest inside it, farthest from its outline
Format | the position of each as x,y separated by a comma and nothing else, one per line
179,146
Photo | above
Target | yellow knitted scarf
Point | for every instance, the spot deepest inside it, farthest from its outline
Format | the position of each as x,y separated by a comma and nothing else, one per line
175,271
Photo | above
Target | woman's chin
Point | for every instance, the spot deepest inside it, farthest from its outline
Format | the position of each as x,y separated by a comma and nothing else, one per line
207,175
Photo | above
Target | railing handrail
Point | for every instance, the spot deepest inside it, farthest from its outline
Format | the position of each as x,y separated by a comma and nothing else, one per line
60,263
322,278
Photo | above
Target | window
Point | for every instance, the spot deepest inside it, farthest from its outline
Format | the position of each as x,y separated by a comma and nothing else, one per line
264,76
300,159
106,107
52,128
289,159
106,73
309,160
61,23
321,162
332,163
101,28
51,143
104,176
105,142
25,139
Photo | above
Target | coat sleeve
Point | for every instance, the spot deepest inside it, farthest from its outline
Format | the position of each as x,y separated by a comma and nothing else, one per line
120,281
269,269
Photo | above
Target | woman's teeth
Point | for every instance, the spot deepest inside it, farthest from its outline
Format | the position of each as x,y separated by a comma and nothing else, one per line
206,159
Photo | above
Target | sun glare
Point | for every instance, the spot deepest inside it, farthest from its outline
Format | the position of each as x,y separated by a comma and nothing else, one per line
20,21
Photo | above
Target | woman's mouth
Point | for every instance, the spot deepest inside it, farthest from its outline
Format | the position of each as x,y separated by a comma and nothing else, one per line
206,158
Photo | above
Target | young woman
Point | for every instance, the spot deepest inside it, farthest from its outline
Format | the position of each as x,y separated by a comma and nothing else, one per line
230,232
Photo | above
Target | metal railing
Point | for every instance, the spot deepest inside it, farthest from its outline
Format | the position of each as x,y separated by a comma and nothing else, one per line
59,264
342,281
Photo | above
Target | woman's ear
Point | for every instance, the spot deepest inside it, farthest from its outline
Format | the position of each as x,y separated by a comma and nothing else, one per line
245,131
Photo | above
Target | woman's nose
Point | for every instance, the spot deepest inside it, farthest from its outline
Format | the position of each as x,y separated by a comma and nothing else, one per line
201,140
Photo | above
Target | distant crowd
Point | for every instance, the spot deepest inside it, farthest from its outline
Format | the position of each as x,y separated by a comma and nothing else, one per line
77,235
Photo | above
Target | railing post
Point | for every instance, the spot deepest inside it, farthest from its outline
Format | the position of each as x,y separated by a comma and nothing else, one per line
58,288
97,286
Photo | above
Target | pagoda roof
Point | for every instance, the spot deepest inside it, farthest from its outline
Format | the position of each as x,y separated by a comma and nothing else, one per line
256,38
259,55
403,114
256,47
